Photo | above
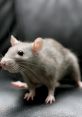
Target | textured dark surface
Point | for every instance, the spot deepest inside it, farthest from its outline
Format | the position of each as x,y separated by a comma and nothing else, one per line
61,19
27,19
68,101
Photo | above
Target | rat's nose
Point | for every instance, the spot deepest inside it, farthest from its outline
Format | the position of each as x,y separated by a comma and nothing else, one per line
6,63
3,64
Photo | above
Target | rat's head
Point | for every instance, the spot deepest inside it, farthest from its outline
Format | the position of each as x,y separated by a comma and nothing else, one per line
20,54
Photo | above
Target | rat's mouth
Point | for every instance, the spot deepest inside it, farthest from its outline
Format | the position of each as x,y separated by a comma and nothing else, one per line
9,67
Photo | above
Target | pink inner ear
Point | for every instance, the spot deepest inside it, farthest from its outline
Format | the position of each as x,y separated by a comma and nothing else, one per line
37,45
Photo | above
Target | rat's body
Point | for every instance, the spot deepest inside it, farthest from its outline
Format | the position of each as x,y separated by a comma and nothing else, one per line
43,62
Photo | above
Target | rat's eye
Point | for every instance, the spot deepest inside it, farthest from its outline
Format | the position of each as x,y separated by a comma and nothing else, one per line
20,53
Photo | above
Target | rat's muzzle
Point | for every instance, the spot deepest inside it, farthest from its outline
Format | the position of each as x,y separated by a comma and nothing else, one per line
2,65
5,63
9,65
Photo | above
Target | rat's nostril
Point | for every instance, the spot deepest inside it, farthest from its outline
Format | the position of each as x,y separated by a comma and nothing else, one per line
3,64
6,63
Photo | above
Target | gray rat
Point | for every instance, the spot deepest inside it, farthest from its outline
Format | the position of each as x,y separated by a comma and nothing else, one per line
42,62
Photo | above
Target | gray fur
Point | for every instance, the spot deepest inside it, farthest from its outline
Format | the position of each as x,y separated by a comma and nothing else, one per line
46,67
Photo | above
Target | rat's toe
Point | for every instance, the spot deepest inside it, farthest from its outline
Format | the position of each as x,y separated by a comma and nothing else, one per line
29,96
50,99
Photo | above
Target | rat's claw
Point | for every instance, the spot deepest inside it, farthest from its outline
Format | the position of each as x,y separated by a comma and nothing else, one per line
29,95
50,99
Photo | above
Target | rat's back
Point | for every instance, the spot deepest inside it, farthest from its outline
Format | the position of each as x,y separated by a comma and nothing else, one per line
55,57
52,48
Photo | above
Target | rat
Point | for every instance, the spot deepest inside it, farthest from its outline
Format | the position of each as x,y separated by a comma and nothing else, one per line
42,62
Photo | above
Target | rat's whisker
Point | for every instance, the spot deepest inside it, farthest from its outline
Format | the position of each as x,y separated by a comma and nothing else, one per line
24,67
21,68
31,64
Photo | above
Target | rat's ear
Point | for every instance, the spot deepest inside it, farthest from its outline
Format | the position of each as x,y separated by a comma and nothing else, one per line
13,40
37,44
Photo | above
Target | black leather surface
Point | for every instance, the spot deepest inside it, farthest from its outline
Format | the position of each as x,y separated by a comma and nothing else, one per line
61,19
8,24
68,101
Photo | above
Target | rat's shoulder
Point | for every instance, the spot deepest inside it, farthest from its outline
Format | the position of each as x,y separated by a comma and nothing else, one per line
53,42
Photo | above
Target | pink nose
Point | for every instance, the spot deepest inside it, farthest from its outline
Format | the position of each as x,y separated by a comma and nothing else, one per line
3,64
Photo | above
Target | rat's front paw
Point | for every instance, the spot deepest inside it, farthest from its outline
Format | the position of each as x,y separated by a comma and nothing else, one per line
19,84
50,99
29,95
